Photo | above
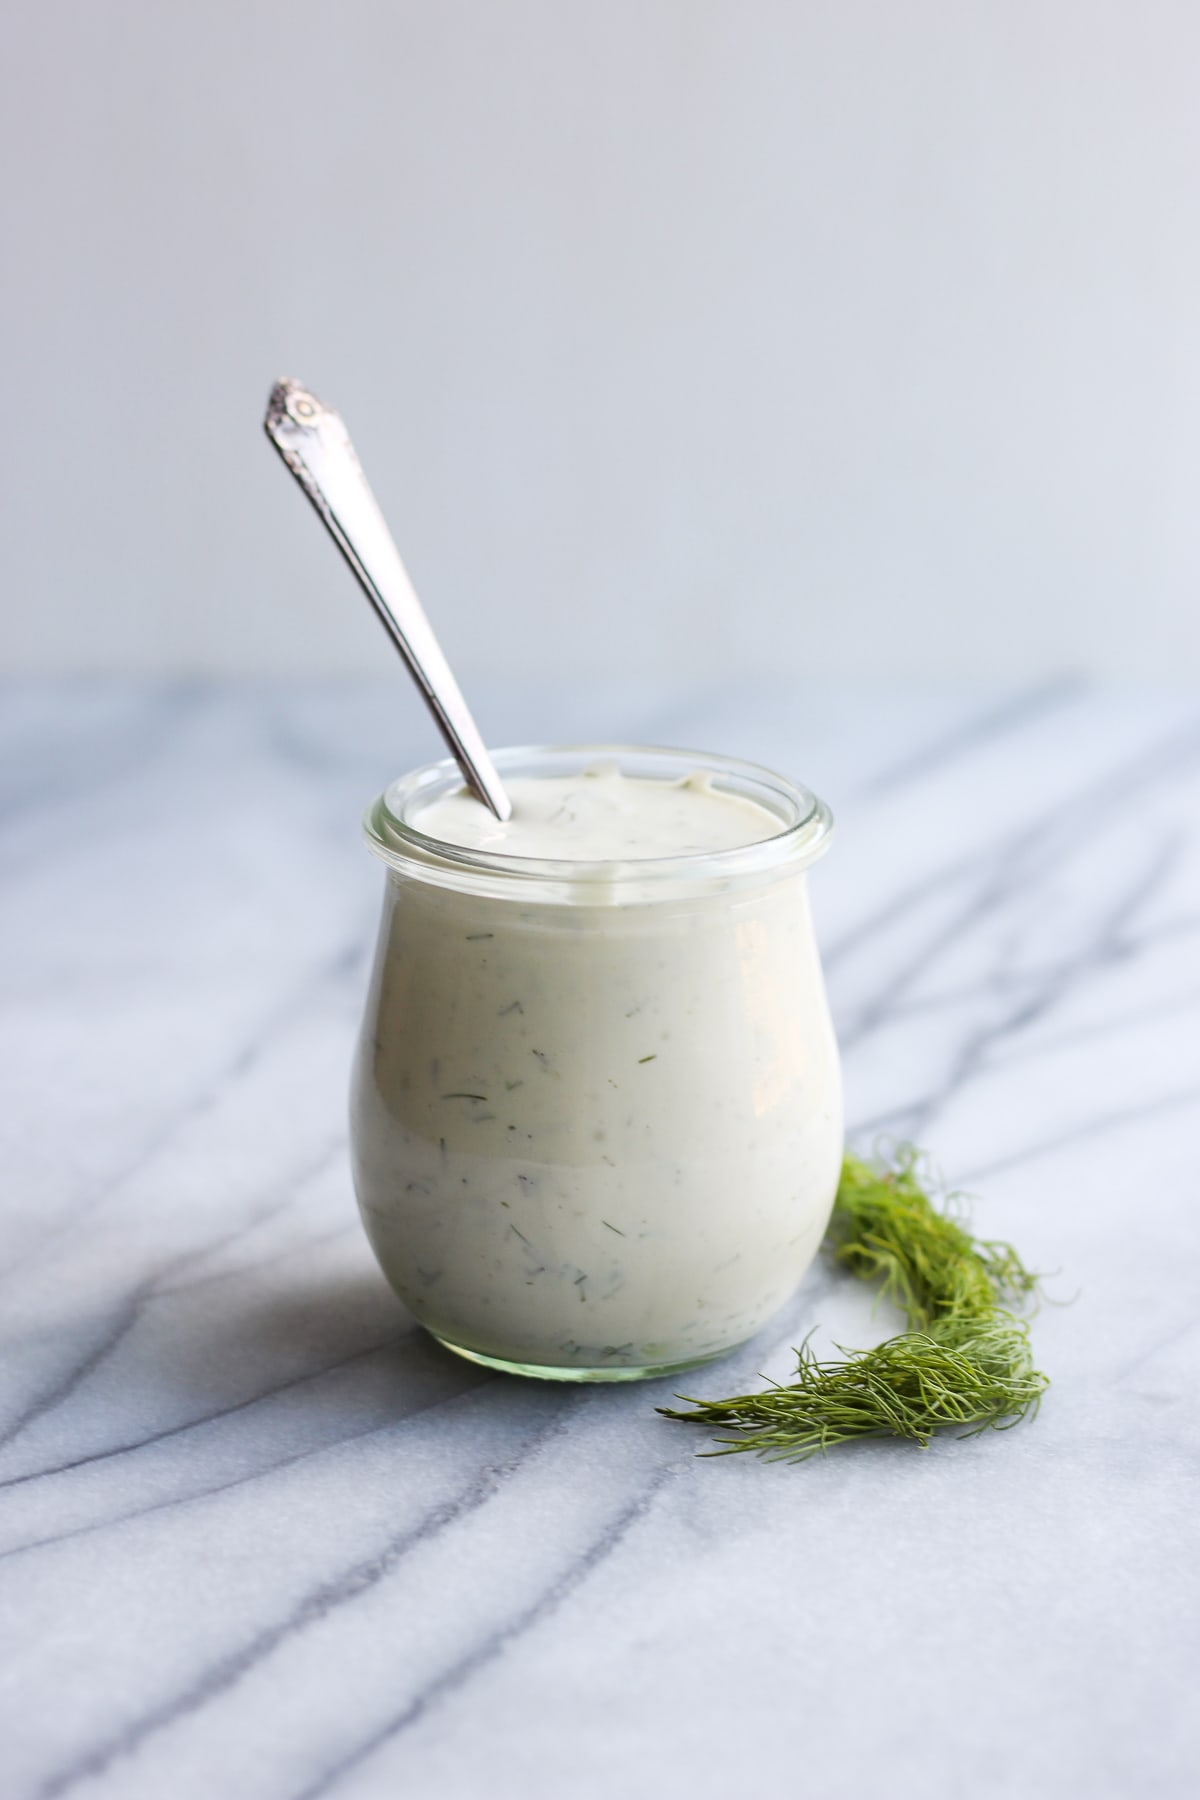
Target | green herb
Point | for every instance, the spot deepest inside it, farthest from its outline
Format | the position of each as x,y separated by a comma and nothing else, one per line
964,1361
653,1058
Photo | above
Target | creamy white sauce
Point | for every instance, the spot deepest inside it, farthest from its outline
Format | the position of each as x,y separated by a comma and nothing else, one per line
601,816
595,1135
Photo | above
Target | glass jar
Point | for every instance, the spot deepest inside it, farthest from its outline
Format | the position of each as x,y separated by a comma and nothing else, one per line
596,1115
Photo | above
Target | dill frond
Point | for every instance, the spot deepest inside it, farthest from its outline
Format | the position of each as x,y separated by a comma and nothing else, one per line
965,1360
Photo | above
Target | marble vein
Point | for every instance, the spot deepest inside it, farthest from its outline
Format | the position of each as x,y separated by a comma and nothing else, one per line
452,1680
467,1383
358,1579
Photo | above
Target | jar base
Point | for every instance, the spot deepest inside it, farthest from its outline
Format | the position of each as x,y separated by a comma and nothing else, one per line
610,1372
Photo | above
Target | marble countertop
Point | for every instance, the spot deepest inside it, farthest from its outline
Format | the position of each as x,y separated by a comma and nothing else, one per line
260,1538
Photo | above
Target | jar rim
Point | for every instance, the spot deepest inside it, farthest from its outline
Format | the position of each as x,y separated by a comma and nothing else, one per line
805,826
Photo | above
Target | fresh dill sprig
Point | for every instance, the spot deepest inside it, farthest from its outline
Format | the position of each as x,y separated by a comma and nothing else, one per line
964,1361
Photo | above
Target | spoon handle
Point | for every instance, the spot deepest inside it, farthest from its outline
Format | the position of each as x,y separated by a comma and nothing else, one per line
316,447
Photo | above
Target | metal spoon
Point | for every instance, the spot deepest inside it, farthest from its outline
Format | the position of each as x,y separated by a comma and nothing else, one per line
316,447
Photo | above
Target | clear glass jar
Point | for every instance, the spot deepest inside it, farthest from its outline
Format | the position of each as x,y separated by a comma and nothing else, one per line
596,1114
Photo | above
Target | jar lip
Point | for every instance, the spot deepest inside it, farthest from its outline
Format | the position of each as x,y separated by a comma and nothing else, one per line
805,822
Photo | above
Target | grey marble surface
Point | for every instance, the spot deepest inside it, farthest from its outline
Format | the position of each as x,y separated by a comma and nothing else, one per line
258,1537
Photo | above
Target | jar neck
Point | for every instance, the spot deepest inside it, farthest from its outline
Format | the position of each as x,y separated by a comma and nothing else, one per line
804,825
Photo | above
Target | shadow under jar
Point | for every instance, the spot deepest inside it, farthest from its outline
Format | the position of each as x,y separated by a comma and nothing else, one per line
596,1114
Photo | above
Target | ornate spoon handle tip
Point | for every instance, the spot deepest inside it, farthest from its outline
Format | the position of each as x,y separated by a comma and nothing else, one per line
316,447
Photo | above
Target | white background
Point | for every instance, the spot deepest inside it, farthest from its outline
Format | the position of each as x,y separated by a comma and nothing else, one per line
719,335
